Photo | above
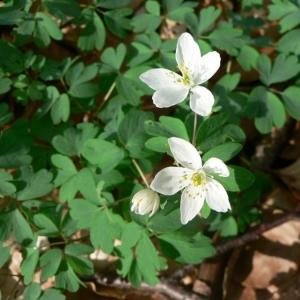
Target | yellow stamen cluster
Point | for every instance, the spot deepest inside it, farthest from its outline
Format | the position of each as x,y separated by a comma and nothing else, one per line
185,73
198,179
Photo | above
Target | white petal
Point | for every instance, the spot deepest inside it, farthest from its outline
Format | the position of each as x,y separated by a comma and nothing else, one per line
159,78
171,95
216,165
209,65
155,206
216,196
185,153
170,180
192,200
202,100
188,53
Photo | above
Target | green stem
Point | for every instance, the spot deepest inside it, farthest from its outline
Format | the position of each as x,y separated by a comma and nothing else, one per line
195,129
106,97
228,67
275,91
141,172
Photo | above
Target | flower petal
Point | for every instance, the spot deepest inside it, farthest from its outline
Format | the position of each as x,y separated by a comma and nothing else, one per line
216,165
169,96
209,65
185,153
216,196
170,180
159,78
202,100
192,200
188,54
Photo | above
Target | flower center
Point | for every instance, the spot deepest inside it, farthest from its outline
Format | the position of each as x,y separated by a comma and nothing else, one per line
198,179
185,75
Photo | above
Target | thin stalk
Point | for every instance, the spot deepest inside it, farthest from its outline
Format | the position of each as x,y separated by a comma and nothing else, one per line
106,97
195,129
141,172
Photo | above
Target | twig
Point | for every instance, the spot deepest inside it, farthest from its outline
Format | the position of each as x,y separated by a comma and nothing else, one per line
253,235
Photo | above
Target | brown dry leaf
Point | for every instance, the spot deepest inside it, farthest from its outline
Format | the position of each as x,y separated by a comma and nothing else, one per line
291,176
268,267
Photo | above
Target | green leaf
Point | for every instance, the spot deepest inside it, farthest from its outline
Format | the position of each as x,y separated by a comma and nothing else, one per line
288,43
225,224
147,260
93,35
6,220
167,127
134,275
131,234
153,8
50,262
186,249
29,263
72,140
105,227
228,39
224,152
84,90
5,116
111,4
51,294
33,291
87,185
248,57
138,54
117,22
291,101
247,4
132,133
36,185
168,218
80,265
145,22
264,67
207,17
66,278
5,84
127,90
239,179
80,74
84,212
266,108
113,58
6,188
11,13
36,90
21,229
102,153
46,226
45,28
62,8
60,110
4,255
65,167
288,12
284,68
158,144
11,59
212,132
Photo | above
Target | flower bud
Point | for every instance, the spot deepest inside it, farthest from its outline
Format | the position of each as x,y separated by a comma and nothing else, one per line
145,201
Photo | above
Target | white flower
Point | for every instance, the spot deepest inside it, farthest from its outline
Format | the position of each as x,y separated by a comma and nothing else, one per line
145,201
194,178
172,88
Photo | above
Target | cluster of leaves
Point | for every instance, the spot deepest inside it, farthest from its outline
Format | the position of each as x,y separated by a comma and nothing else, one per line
80,129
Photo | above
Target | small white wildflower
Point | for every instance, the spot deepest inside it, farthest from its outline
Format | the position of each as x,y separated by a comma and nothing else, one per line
172,88
145,201
194,178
